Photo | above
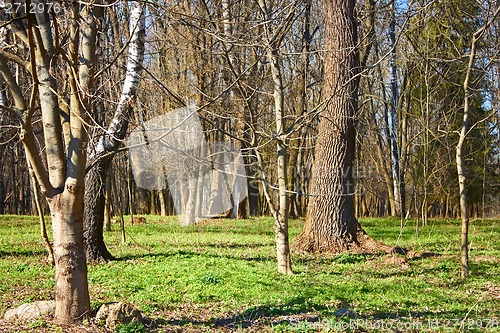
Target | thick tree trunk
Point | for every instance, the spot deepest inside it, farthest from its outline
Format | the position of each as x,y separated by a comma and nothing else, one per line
152,202
62,178
72,295
189,208
331,225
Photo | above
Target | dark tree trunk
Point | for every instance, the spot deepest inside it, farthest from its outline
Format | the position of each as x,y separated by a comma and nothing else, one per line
2,191
95,199
102,151
331,225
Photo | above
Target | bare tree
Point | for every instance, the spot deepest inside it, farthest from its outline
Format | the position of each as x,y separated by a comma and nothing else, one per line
464,129
279,209
103,147
62,178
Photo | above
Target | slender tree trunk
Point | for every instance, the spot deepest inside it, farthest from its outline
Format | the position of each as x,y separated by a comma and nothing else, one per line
281,215
464,211
189,208
279,209
152,202
242,211
130,193
38,204
294,181
2,188
3,102
163,204
393,120
107,201
404,137
102,153
463,198
461,141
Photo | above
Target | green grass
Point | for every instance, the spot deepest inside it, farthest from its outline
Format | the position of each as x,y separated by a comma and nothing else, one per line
221,275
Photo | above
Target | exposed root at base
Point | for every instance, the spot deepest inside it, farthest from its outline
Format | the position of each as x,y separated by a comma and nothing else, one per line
361,243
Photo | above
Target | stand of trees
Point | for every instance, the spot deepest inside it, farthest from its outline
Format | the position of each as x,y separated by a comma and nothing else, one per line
229,71
341,109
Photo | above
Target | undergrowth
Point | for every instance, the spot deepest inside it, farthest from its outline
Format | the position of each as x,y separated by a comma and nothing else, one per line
221,275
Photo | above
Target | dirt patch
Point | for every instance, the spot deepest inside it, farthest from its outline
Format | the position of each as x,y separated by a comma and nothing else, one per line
45,325
191,318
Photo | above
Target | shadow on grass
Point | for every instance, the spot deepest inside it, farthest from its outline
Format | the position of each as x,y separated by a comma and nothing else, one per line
191,254
195,229
298,310
300,260
226,245
23,253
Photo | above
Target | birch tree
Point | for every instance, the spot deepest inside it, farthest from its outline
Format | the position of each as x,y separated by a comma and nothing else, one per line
104,147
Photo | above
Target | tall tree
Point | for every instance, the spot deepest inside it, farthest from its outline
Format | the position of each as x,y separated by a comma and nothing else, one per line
464,129
330,224
105,146
61,179
279,209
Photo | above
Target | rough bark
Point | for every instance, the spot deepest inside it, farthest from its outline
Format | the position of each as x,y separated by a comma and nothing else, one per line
330,224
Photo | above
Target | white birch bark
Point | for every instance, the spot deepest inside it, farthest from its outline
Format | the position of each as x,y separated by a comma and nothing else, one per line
101,153
117,128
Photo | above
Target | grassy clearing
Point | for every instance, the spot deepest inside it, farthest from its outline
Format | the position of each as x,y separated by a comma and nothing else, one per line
221,276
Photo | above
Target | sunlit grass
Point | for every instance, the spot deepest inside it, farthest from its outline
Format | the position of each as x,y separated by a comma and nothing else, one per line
223,273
